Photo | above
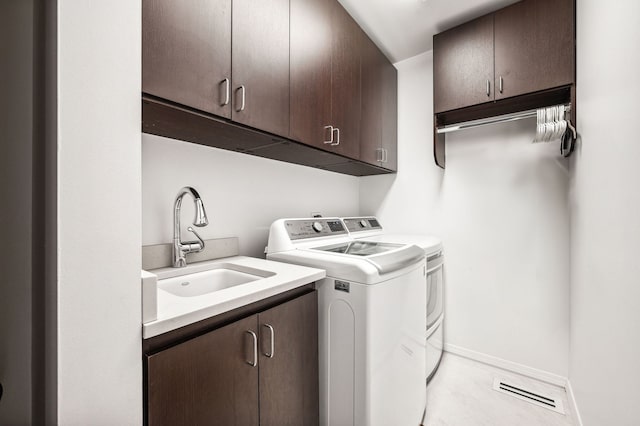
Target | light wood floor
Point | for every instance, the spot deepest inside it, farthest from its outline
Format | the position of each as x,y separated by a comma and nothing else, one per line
461,394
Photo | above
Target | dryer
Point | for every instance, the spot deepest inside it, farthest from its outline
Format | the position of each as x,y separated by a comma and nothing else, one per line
371,321
370,229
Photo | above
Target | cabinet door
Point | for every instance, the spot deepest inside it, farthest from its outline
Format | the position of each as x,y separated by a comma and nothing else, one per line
390,115
378,126
534,46
463,65
289,363
310,65
206,380
261,64
372,101
186,52
345,82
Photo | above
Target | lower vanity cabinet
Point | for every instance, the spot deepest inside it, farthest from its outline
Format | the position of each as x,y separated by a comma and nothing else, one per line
259,370
288,364
206,380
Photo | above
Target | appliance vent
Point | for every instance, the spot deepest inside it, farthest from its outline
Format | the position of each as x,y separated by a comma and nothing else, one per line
550,402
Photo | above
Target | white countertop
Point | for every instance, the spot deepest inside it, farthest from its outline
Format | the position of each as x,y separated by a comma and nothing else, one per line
174,311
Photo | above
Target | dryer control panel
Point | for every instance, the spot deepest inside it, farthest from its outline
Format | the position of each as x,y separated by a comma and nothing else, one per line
313,228
355,224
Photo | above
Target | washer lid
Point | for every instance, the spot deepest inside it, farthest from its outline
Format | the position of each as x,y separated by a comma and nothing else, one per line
359,248
386,257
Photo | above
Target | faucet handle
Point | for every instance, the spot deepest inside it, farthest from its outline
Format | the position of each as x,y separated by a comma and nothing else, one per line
200,240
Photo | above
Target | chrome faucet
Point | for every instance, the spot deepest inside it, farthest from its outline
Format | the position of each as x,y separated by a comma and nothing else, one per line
180,249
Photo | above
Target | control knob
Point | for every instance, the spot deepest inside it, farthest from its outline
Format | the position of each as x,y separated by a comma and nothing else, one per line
317,226
363,223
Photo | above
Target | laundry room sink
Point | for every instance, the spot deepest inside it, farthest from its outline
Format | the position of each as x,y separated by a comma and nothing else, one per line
200,283
176,297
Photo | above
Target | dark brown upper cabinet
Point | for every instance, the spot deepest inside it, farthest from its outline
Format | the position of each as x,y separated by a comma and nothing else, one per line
277,79
260,65
518,58
390,116
196,54
345,82
534,47
325,76
310,62
379,121
463,65
526,47
186,53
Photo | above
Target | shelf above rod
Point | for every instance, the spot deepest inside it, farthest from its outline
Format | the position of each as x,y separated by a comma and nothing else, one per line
491,120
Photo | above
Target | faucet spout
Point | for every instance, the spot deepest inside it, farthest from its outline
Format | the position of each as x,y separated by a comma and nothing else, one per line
180,248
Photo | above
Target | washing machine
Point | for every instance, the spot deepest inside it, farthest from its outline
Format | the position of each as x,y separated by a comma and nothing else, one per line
371,321
370,229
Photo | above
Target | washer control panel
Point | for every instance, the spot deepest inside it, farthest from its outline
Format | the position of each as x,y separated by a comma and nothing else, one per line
312,228
355,224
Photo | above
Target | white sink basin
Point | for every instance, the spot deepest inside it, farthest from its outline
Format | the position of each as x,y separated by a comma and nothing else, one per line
176,297
221,277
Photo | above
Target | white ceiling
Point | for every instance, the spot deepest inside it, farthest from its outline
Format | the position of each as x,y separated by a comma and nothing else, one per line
404,28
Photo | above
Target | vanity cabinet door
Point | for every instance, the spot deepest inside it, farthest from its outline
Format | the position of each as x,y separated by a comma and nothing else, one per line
186,52
534,46
289,363
206,380
463,65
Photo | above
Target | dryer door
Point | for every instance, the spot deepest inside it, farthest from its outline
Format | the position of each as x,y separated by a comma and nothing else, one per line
435,282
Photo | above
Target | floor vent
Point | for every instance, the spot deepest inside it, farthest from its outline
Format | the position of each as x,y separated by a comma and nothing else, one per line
547,401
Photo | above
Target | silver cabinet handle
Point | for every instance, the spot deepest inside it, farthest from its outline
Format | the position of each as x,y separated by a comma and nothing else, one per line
330,128
380,155
244,92
337,142
273,341
488,88
501,83
255,349
227,94
385,155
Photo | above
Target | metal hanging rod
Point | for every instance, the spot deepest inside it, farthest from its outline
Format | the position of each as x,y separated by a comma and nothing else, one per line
492,120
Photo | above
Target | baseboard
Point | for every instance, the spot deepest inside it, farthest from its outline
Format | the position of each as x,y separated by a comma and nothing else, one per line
514,367
572,401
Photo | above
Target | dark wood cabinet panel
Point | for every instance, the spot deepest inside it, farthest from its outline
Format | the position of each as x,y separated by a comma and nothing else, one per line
206,380
260,64
463,65
345,82
284,68
372,98
390,115
534,64
310,71
378,125
198,376
186,52
534,46
289,363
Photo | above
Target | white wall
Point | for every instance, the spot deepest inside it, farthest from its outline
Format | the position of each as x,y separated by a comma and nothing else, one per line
99,312
16,191
242,194
501,208
605,238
